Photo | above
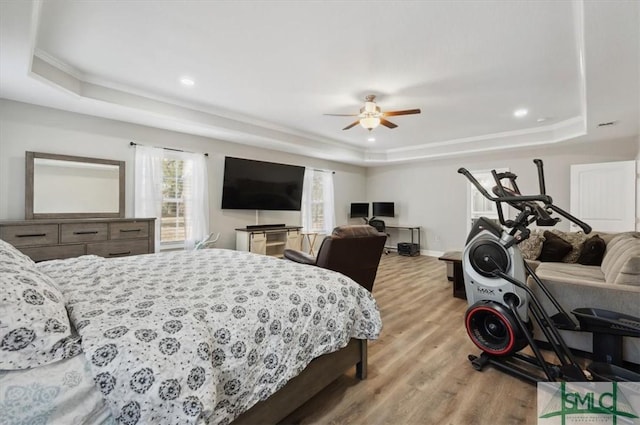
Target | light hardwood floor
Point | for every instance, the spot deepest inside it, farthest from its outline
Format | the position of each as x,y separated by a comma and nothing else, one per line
418,368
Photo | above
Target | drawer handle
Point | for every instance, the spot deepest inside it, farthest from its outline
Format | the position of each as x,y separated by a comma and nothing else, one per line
31,235
119,254
130,230
86,232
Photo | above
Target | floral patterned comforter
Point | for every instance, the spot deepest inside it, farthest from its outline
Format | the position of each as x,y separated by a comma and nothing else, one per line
201,336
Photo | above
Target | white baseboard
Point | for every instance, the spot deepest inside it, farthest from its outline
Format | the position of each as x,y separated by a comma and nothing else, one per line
425,252
431,253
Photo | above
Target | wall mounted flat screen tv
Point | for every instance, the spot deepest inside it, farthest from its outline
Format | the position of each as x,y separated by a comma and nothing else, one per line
359,209
383,209
259,185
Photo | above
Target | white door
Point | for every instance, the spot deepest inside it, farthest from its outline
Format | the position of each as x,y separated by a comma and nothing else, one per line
604,195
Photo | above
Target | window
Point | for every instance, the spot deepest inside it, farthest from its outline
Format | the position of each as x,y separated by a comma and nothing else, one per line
317,201
172,186
479,206
172,227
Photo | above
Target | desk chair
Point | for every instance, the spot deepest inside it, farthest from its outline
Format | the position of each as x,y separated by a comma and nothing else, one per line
381,227
354,251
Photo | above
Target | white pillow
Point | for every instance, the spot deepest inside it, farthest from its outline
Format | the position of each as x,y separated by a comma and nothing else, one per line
9,253
34,326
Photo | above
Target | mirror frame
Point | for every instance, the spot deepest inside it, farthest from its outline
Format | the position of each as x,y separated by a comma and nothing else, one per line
29,192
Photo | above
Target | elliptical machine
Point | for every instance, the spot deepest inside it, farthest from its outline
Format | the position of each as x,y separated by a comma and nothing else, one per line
501,305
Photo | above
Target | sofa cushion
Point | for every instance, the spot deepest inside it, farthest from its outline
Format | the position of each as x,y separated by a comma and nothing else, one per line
554,248
630,272
614,247
532,246
570,273
592,251
621,250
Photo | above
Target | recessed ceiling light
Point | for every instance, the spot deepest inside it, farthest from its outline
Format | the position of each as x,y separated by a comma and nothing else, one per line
541,119
371,139
187,81
519,113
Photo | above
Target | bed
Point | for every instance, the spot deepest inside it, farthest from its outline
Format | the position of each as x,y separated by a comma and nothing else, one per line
209,336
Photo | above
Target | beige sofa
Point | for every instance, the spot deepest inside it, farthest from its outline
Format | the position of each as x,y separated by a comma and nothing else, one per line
614,285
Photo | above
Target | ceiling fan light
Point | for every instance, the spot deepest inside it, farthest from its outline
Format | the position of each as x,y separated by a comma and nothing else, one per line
370,107
370,122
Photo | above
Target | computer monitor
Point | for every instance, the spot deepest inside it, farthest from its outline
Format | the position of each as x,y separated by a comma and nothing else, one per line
359,209
383,209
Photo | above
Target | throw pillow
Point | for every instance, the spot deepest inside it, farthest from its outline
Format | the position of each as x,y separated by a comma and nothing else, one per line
554,248
576,239
10,253
532,246
592,251
35,327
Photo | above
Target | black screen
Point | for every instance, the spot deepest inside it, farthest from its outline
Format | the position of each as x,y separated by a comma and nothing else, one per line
383,209
259,185
359,209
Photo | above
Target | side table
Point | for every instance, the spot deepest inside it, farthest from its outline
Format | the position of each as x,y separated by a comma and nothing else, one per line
455,258
311,238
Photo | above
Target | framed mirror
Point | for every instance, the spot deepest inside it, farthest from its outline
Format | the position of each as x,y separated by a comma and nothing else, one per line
64,186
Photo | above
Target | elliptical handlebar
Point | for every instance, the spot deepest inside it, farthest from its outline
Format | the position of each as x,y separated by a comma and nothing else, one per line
520,201
514,198
584,226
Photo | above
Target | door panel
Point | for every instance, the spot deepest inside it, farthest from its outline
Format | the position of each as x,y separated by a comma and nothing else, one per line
603,195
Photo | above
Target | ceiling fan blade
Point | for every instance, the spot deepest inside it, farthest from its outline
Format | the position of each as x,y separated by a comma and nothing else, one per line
353,124
386,123
405,112
341,115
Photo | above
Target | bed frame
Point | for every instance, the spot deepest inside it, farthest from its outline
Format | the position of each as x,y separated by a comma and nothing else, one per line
320,373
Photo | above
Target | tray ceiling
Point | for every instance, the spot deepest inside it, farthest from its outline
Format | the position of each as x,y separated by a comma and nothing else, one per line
265,72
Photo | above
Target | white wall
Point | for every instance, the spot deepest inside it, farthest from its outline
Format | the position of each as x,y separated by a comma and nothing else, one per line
25,127
427,193
638,185
433,195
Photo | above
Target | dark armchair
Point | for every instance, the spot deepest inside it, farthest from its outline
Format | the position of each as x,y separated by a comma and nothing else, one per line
354,251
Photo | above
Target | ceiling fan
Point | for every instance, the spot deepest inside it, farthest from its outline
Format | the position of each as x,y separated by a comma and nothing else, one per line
371,116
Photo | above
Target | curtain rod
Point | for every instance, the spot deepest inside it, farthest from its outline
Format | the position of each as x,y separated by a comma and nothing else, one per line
324,171
167,149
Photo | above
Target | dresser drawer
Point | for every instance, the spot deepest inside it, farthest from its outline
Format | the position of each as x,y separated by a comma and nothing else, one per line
83,232
30,235
129,230
44,253
118,248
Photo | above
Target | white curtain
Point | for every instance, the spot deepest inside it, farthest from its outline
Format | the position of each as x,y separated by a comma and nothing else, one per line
148,191
148,186
324,195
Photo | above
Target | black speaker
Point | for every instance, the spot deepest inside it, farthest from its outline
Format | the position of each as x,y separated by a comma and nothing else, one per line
408,249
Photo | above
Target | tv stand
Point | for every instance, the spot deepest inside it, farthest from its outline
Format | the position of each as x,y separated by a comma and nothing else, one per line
269,239
264,226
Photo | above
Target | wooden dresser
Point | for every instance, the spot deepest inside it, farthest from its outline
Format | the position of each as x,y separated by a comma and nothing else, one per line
65,238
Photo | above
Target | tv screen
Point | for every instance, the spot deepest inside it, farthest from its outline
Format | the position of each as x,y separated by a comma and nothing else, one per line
259,185
359,209
383,209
